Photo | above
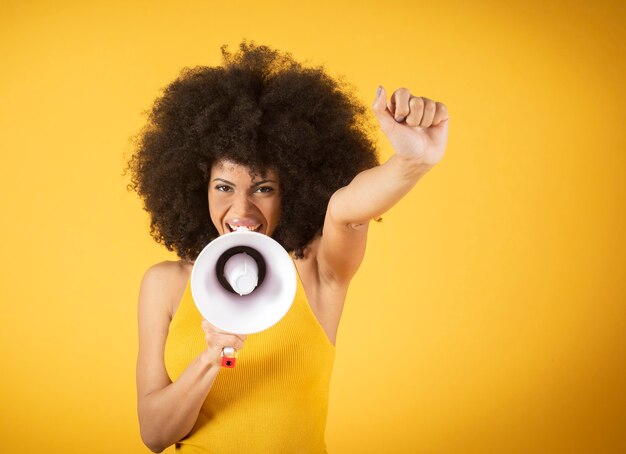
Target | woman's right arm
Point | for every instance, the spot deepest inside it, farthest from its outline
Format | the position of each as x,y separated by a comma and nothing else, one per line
168,410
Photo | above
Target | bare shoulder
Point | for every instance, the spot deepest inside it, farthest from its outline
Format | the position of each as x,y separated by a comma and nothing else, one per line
162,286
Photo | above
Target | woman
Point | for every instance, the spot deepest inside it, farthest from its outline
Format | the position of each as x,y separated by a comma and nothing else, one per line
265,143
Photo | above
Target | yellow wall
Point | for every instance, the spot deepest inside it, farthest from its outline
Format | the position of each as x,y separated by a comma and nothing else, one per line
489,315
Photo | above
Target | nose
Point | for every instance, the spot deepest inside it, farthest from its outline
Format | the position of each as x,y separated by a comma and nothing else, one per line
242,205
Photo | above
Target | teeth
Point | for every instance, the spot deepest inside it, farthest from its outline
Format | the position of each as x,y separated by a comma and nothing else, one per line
253,228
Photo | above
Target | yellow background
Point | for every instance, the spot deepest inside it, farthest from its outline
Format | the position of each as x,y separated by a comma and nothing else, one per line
489,314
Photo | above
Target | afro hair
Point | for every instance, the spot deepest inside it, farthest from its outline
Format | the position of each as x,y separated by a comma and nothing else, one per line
261,109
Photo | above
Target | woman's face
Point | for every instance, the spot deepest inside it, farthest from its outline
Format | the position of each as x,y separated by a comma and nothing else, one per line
236,199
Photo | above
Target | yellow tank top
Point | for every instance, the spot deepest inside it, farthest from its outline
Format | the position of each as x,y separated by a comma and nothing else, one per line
275,399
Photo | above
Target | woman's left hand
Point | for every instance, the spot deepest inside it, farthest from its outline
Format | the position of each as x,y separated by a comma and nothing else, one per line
417,127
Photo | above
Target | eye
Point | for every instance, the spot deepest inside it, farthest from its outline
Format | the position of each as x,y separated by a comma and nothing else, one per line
223,188
265,189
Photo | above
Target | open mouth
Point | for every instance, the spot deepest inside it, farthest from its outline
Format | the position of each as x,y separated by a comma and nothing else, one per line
252,228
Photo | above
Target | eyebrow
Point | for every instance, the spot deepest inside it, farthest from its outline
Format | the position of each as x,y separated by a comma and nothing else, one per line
255,184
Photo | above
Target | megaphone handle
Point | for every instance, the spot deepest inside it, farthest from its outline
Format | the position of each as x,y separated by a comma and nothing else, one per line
228,361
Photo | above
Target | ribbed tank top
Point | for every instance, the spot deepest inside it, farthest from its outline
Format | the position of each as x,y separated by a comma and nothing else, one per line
275,400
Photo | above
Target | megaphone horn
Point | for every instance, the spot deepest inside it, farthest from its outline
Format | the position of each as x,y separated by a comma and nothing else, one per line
243,282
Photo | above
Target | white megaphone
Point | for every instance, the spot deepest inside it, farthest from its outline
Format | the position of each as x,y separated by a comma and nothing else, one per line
243,282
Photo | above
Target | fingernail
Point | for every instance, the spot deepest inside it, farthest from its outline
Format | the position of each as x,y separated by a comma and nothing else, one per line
378,91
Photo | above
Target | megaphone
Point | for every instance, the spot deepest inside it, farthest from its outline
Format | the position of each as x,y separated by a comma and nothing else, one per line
243,282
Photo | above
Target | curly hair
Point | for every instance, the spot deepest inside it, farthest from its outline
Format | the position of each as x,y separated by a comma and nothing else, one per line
261,109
